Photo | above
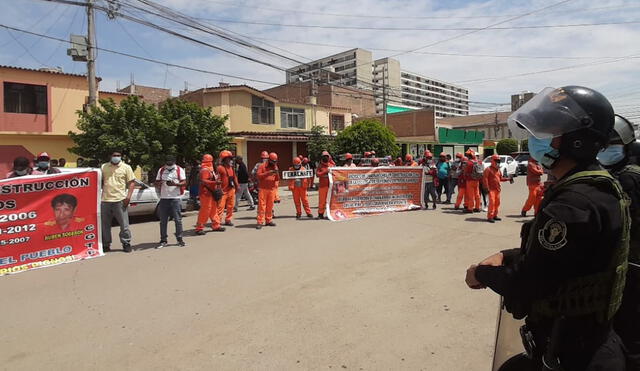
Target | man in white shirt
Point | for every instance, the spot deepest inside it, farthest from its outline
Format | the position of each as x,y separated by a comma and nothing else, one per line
170,184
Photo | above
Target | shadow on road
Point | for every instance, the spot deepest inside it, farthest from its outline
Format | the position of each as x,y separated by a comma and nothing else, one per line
476,220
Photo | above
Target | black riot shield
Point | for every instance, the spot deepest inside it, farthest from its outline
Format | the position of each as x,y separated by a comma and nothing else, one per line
508,341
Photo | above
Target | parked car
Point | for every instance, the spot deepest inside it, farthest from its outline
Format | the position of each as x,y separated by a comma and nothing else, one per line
522,158
144,199
508,165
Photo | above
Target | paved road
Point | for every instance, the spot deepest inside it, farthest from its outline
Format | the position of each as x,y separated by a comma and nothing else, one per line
378,293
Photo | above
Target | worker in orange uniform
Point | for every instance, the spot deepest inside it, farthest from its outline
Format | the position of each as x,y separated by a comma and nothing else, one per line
209,190
534,174
473,172
323,188
461,183
491,181
268,178
299,189
408,160
229,186
348,160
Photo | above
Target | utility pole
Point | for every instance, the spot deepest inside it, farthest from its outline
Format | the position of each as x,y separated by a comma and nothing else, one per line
384,92
91,60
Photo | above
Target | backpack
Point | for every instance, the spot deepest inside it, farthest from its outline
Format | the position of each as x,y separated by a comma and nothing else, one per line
477,171
178,170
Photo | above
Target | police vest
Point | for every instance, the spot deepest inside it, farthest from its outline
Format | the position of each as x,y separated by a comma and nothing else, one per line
598,294
634,245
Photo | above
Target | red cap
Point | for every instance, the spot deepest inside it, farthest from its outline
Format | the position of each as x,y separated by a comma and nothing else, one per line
325,153
373,153
408,157
495,158
300,157
459,155
375,161
367,154
305,160
470,152
297,161
442,154
427,153
273,156
207,158
264,154
348,156
224,154
44,154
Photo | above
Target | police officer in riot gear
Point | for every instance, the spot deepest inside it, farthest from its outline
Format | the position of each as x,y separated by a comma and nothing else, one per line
567,278
615,158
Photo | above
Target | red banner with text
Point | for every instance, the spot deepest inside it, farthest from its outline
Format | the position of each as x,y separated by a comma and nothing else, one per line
47,220
362,191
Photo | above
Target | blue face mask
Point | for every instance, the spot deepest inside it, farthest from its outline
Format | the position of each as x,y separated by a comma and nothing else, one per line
541,151
116,160
43,164
611,155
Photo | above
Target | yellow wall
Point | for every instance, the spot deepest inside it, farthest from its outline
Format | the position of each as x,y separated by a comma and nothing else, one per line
55,145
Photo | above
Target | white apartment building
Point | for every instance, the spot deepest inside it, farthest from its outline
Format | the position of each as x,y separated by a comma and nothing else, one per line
402,89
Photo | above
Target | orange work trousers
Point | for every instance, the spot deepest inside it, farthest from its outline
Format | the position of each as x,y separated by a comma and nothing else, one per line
208,211
227,202
494,204
534,199
277,196
301,200
322,199
461,193
472,196
266,197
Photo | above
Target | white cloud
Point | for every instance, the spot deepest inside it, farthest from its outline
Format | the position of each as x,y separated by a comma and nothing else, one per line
614,79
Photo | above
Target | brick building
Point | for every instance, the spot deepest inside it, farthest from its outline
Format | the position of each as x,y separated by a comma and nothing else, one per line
149,94
361,103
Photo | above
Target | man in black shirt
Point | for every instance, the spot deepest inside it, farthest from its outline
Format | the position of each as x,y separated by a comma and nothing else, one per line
567,278
243,181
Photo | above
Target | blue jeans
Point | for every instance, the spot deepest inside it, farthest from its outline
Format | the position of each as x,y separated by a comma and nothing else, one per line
170,207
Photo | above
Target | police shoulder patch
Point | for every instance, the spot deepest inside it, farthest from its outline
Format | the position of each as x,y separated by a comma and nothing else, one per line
553,236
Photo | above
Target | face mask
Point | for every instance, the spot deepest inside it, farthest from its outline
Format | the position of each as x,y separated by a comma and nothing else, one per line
21,172
43,164
116,160
170,165
272,163
296,167
325,159
541,151
611,155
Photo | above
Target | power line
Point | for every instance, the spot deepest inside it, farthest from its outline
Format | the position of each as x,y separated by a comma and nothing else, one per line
380,16
151,60
633,56
385,28
434,53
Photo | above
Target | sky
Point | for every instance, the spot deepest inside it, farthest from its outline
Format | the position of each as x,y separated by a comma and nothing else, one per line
491,63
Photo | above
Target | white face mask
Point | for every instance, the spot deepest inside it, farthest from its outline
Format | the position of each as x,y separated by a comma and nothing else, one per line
21,172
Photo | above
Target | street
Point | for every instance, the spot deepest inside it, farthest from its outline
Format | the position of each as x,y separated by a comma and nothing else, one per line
377,293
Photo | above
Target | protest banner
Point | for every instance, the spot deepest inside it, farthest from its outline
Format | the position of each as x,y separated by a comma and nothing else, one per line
356,192
47,220
297,174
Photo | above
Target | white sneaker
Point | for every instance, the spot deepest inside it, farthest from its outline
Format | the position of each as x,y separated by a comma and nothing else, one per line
161,245
484,208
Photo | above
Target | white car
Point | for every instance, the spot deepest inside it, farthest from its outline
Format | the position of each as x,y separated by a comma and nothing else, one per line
508,166
144,199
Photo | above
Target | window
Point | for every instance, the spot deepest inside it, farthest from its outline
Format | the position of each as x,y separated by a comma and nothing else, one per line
261,111
337,122
25,98
292,118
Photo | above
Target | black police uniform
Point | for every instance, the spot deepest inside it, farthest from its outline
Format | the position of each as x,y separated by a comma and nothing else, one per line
627,320
578,233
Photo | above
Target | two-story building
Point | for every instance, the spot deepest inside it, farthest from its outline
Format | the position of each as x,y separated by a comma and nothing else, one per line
260,122
38,109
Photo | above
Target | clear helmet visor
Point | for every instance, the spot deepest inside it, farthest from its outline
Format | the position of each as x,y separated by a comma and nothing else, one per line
549,114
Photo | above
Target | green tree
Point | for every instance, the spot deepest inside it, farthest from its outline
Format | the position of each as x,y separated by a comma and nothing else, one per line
318,142
145,134
524,145
507,146
197,130
367,135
